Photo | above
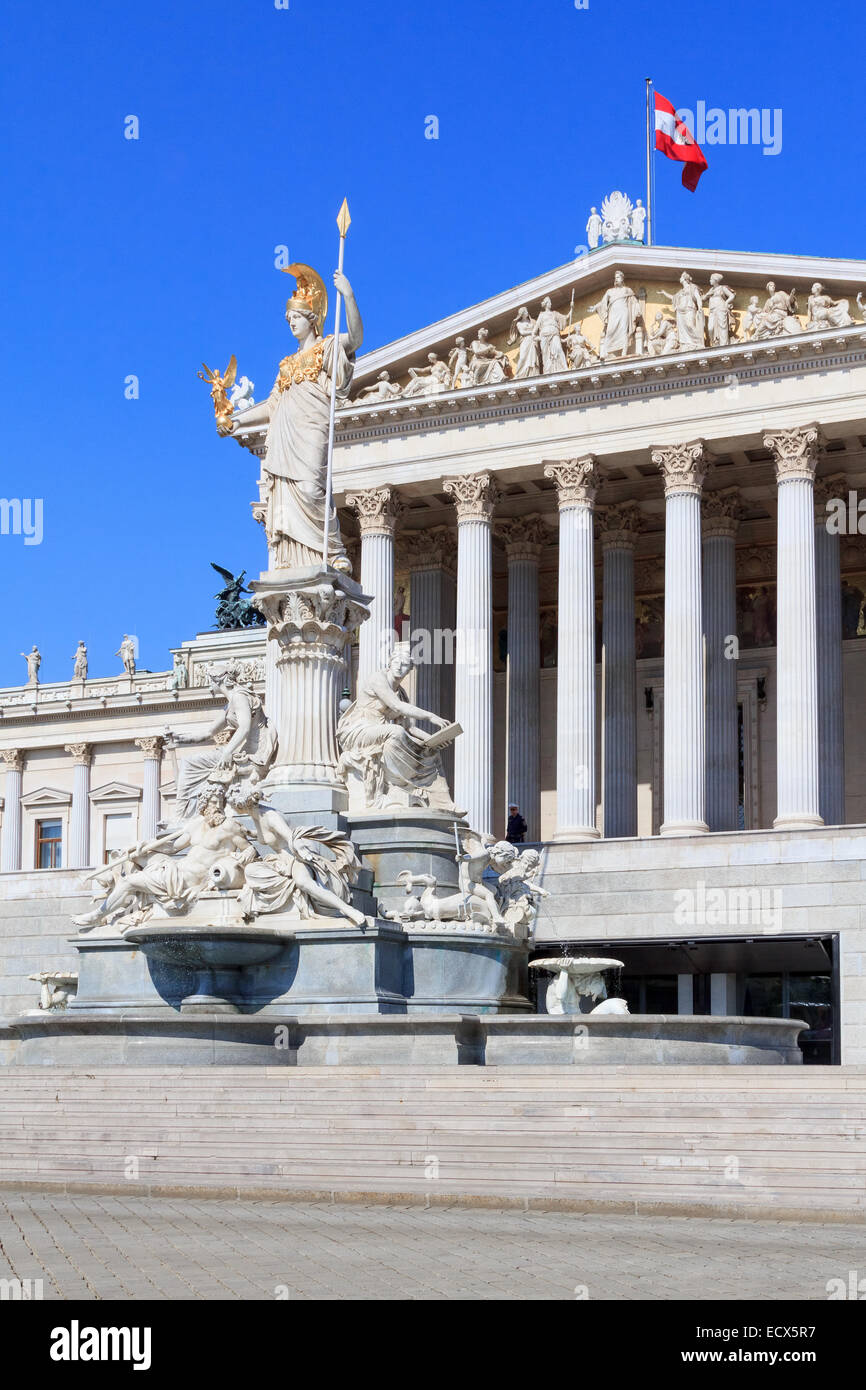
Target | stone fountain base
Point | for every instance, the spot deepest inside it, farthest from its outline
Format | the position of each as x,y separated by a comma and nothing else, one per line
275,1036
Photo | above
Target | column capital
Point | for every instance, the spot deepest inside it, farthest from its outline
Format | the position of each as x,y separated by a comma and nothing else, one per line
827,489
151,747
722,513
474,495
684,467
431,550
82,753
795,452
378,510
13,758
524,537
619,525
577,481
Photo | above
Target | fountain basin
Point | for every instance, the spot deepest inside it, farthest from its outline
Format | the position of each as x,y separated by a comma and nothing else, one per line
215,953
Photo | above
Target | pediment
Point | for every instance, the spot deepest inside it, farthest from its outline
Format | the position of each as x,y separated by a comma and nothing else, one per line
574,290
116,791
46,796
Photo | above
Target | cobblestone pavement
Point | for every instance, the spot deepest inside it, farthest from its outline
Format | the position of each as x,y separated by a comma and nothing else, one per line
109,1247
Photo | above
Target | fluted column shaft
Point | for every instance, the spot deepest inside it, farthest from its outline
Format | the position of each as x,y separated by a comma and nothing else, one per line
684,468
150,799
524,538
619,531
797,803
432,559
10,850
475,497
378,510
721,513
828,617
78,848
577,482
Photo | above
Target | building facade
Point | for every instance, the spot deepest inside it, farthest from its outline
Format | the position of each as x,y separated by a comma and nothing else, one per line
624,544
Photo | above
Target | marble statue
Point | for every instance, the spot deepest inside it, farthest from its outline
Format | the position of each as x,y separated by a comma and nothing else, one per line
750,317
594,229
638,221
296,876
34,661
126,652
180,672
689,311
576,978
662,335
293,483
386,759
246,744
861,304
475,900
620,313
548,328
79,663
616,211
235,612
382,389
580,351
519,893
429,380
825,312
241,395
458,361
174,867
56,988
528,356
487,365
778,316
720,321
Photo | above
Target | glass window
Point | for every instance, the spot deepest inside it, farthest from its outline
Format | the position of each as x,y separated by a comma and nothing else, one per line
763,996
49,843
119,834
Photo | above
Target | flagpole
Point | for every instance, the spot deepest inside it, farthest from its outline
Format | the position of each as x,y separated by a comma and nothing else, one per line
343,220
649,126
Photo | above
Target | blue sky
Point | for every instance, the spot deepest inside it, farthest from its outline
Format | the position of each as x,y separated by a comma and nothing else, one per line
146,257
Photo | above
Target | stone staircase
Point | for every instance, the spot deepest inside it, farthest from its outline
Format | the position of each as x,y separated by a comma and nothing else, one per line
760,1141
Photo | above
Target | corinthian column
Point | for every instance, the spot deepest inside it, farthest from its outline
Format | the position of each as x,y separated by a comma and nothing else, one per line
619,530
378,510
79,820
475,496
10,855
524,539
684,468
577,481
828,620
431,559
150,799
797,801
721,517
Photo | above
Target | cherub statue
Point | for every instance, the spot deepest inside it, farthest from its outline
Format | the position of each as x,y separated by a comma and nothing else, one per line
308,868
387,760
56,987
220,384
475,901
519,892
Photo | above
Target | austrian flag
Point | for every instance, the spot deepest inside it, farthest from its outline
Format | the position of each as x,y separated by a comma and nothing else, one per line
675,140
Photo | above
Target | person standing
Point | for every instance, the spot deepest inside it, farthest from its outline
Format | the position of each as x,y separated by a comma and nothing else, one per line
516,832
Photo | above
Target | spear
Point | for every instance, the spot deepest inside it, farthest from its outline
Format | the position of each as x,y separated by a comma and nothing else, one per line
343,220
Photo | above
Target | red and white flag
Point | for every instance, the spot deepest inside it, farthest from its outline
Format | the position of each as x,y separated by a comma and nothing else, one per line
675,140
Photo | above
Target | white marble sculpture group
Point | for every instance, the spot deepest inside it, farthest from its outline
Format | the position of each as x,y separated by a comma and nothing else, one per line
508,903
